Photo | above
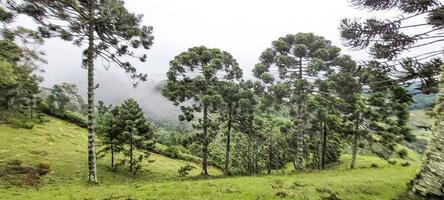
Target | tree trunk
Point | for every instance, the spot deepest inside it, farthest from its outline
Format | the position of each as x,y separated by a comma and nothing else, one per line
205,142
354,150
429,181
112,155
324,147
131,152
300,132
92,170
31,107
270,156
299,148
227,151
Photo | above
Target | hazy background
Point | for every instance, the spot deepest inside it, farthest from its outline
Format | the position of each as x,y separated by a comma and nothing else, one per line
243,28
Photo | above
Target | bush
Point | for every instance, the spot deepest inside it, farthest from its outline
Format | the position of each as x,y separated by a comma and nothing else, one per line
406,164
173,152
392,162
76,118
42,169
176,152
403,153
185,170
72,117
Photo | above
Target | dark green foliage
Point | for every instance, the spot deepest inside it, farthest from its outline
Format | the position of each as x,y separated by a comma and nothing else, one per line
125,130
193,77
387,39
109,31
402,153
185,170
179,152
287,70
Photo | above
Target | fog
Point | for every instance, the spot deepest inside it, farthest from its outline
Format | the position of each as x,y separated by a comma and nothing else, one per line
243,28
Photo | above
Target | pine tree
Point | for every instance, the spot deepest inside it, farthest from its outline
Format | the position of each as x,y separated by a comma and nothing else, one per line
137,133
193,77
110,131
108,30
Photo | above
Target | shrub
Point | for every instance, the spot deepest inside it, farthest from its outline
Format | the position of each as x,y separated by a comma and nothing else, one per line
173,152
42,169
185,170
406,164
392,162
176,152
72,117
32,179
403,153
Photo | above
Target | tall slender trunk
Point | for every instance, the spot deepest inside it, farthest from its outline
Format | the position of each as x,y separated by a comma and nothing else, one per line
324,147
131,152
270,156
300,132
249,156
205,142
31,107
355,146
299,148
92,169
112,155
227,152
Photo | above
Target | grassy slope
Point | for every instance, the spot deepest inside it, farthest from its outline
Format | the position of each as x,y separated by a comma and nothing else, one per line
420,118
65,145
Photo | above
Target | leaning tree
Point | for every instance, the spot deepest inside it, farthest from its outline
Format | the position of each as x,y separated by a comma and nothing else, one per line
419,30
193,81
298,60
107,29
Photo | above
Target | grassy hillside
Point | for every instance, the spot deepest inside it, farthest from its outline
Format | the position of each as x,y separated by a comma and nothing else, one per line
418,120
62,146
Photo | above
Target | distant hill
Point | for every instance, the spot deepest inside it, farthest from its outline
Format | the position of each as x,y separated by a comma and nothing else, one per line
421,101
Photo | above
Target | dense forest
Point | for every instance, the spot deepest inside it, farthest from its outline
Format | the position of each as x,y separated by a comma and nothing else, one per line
308,105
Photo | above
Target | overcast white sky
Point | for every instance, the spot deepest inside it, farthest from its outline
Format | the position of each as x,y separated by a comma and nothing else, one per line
243,28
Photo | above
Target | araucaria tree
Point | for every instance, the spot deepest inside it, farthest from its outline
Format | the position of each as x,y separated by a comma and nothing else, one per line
229,108
137,133
107,30
193,79
388,39
297,60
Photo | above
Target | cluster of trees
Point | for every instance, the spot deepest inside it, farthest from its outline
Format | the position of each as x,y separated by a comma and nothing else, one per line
124,129
388,39
107,29
307,103
19,85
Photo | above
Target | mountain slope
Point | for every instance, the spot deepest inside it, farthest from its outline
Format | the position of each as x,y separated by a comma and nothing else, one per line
62,146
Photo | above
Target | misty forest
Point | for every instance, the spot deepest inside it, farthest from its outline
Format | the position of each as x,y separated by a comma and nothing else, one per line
308,120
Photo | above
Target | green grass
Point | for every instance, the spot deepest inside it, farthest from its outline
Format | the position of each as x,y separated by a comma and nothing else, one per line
63,146
420,118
